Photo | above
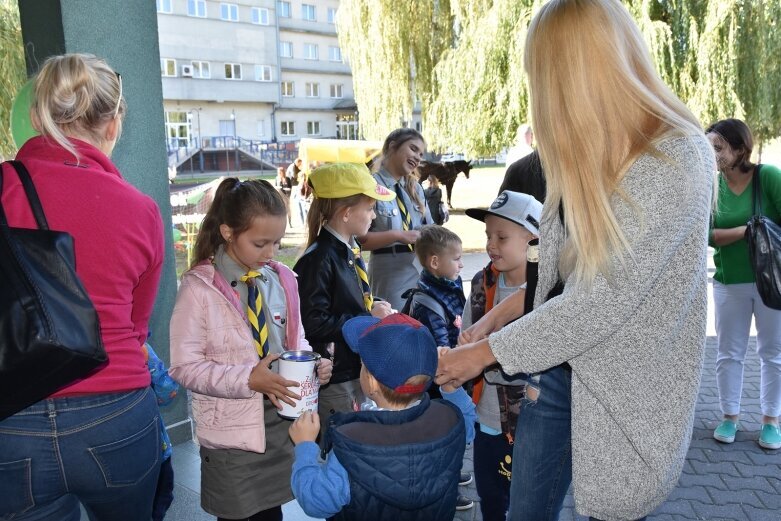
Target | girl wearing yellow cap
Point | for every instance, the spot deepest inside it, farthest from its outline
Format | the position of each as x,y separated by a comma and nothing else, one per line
332,276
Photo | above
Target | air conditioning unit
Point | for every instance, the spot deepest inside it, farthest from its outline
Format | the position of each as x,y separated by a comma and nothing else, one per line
187,71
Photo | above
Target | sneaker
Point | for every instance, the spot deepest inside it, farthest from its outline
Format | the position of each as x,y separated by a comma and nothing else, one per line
770,437
725,432
464,479
464,503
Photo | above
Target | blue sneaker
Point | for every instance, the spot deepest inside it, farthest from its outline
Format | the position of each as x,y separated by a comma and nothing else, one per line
770,437
726,431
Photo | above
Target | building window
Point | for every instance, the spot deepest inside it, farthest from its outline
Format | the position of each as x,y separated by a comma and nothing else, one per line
331,15
308,12
178,129
168,67
313,128
287,89
334,54
262,73
229,12
283,9
336,90
286,49
418,126
232,71
260,15
312,90
310,51
261,127
288,128
164,6
196,8
201,69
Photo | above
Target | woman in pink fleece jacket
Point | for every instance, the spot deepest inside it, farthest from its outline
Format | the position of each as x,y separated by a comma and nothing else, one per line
97,440
246,455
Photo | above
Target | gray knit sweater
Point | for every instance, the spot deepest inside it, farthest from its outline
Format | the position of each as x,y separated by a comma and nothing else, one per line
636,343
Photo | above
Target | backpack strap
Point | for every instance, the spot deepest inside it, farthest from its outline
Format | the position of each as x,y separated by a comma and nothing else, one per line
429,302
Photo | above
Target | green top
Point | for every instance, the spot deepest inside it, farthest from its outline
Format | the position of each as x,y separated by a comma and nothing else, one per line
732,264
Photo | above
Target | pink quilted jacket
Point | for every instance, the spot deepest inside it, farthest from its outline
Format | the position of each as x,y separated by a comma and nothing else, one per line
212,354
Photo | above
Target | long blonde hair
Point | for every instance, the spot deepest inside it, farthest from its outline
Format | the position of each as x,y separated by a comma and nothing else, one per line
597,104
391,144
74,94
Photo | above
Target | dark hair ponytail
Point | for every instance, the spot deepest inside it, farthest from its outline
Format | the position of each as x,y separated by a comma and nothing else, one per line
236,204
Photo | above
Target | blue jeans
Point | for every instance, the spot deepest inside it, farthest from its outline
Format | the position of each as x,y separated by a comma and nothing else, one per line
542,453
102,450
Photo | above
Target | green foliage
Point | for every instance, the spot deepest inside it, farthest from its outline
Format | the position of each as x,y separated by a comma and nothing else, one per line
394,46
13,73
464,60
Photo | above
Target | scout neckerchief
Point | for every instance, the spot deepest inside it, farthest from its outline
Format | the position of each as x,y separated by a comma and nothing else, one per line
360,269
257,318
406,220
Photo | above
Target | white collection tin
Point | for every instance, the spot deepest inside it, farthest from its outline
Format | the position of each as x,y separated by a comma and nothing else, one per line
300,366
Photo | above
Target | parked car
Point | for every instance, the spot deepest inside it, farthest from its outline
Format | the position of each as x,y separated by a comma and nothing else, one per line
450,156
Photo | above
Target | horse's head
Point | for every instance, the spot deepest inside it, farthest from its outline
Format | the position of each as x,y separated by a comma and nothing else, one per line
463,166
424,170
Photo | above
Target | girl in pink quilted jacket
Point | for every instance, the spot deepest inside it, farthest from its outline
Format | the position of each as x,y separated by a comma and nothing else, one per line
237,310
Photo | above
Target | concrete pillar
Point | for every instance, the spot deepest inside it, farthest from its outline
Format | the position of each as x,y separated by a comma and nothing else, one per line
125,35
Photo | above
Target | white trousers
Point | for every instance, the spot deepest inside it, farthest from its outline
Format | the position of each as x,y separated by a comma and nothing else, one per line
735,304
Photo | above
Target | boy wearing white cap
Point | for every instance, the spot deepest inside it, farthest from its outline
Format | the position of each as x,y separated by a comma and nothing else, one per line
400,457
511,222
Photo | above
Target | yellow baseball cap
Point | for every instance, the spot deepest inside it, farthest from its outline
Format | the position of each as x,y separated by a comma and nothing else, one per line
335,180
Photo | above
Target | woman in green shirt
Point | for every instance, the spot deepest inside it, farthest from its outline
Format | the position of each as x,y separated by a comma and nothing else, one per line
734,289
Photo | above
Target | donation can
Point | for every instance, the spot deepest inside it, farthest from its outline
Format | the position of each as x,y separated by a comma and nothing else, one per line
301,367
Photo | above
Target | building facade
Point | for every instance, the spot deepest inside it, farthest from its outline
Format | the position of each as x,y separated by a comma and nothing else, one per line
251,75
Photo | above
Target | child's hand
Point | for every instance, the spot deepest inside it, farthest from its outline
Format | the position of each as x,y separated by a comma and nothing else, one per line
324,370
305,428
263,380
381,309
443,351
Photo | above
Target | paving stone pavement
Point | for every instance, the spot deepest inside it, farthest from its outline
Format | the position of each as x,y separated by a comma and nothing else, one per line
736,482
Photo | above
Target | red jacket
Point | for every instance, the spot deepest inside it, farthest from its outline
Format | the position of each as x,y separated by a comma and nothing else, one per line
118,237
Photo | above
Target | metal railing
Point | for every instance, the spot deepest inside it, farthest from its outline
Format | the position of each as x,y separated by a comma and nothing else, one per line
276,153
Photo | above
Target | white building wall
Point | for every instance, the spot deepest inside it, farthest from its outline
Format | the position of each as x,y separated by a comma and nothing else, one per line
256,107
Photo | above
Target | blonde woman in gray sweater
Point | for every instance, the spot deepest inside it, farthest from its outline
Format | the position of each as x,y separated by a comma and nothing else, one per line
619,320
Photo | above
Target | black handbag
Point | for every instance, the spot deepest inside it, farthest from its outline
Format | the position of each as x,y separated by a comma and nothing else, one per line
49,329
764,250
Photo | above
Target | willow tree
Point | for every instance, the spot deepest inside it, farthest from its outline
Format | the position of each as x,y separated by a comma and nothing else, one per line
480,96
12,70
758,65
722,57
393,47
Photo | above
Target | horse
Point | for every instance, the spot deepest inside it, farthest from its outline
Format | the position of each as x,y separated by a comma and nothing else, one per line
445,172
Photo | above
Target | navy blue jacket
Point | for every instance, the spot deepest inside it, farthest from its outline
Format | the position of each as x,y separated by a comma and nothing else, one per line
449,293
403,465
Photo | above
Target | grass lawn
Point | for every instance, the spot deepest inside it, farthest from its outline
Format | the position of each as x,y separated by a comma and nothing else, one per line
477,191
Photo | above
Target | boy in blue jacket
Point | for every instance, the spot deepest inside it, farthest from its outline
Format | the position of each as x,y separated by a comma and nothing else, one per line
398,458
438,301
